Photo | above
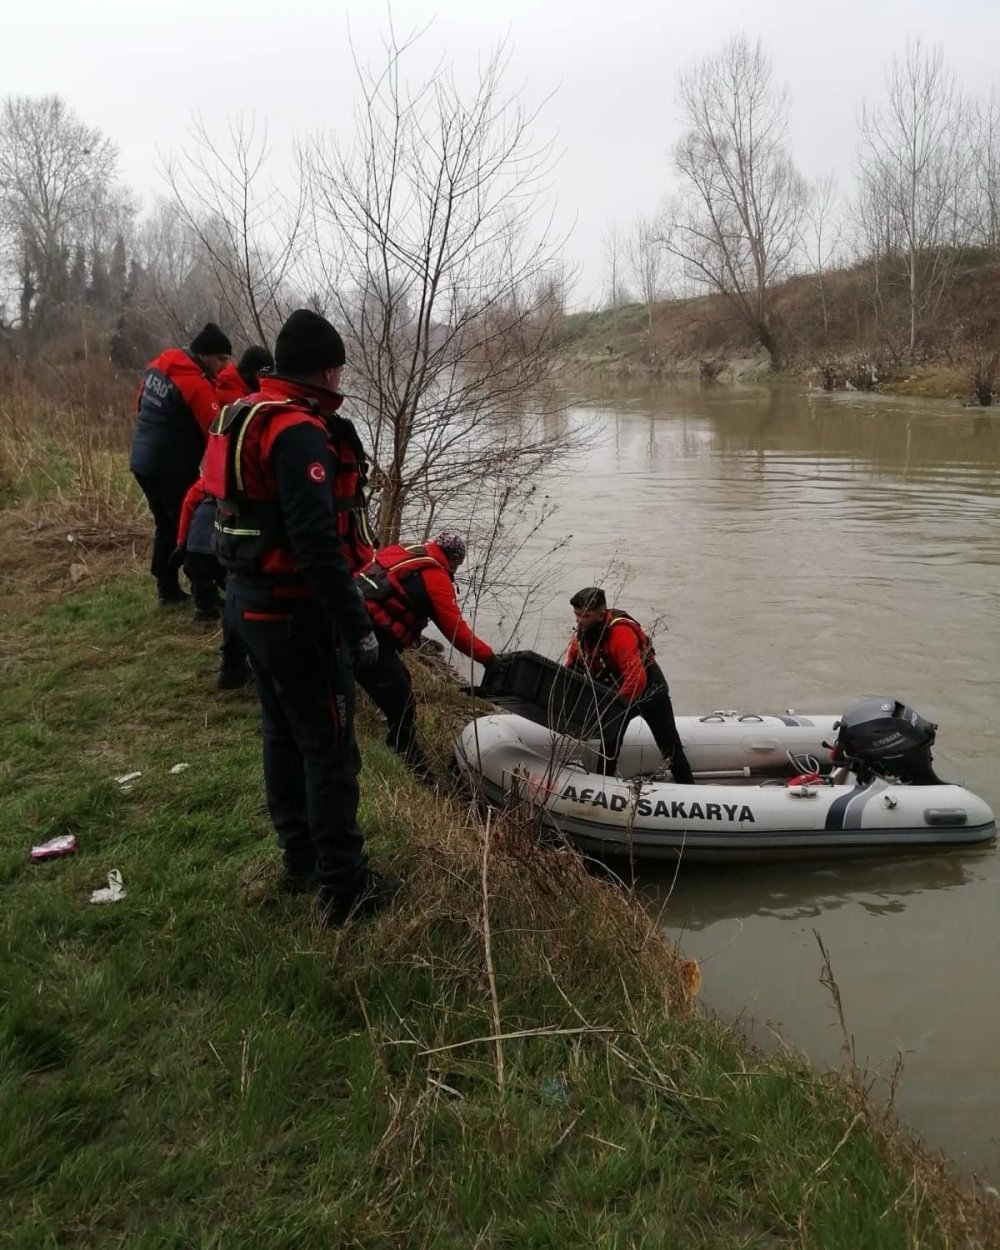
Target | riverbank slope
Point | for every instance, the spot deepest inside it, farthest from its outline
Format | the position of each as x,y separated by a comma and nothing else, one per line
512,1056
848,327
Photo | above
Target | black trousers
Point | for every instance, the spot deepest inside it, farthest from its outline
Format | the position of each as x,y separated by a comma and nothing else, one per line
656,709
232,653
389,686
311,759
207,578
164,496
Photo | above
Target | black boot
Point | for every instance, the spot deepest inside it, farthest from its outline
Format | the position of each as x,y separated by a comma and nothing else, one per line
299,883
168,592
680,769
418,765
234,667
370,895
233,675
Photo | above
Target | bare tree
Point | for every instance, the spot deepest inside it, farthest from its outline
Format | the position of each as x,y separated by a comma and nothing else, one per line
177,287
445,282
644,251
912,167
985,131
736,224
52,170
822,234
248,228
614,265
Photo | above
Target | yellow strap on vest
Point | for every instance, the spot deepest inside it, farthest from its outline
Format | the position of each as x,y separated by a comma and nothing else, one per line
238,451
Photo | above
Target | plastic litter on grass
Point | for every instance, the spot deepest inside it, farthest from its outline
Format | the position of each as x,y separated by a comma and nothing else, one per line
65,844
112,892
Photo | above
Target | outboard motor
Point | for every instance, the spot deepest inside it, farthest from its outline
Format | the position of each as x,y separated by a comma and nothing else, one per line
884,738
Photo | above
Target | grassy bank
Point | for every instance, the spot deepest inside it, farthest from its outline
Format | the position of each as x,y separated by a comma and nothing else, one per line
198,1065
510,1057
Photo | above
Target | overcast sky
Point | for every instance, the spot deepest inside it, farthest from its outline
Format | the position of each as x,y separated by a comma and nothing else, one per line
611,66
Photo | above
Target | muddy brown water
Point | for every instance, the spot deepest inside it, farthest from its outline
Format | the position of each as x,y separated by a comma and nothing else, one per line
806,550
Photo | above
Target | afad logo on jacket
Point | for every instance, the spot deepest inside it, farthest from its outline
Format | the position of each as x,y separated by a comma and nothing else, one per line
674,810
316,472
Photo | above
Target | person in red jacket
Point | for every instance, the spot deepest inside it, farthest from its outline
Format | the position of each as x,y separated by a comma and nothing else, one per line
195,550
615,650
404,589
234,381
289,473
177,403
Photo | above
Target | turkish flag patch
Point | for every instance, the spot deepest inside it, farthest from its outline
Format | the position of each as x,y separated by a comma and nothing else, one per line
316,472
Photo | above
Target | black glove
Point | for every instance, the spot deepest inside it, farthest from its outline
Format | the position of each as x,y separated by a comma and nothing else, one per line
176,558
364,652
493,667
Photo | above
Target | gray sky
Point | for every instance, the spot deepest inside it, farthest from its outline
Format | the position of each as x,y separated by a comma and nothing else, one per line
140,71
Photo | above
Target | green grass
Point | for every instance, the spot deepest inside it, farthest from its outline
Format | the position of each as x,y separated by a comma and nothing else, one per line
199,1065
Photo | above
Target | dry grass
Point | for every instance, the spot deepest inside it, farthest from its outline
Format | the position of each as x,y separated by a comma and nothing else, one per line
855,330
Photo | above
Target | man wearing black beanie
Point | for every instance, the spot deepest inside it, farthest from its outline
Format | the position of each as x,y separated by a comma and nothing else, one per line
236,380
289,474
177,403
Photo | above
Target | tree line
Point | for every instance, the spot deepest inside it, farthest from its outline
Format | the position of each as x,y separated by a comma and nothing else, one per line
421,230
742,219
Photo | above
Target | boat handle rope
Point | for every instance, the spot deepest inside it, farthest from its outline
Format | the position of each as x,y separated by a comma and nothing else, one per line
721,715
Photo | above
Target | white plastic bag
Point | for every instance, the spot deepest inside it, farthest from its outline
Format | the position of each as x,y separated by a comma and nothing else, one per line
112,892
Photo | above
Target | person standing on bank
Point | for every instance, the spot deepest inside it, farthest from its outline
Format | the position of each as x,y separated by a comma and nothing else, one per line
177,404
615,650
405,588
195,551
235,381
288,473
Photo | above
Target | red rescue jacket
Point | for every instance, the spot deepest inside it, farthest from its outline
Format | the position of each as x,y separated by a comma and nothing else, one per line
621,656
231,384
405,587
252,540
196,494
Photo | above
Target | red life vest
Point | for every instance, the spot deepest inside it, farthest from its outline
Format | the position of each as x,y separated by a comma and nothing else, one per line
250,533
395,594
596,656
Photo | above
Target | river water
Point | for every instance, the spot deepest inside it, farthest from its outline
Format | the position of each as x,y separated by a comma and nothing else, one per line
807,550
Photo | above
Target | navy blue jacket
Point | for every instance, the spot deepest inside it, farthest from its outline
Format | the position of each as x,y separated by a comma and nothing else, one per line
177,404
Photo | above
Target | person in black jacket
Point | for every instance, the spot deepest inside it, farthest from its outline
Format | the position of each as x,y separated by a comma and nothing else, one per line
177,403
288,473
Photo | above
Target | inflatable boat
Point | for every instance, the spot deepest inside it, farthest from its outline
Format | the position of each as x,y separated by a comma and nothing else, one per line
854,784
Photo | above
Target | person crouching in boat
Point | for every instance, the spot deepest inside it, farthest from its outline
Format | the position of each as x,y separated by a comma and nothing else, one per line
615,650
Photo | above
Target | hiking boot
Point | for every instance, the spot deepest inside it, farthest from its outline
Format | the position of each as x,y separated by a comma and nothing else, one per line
169,595
233,676
423,774
372,894
298,883
265,890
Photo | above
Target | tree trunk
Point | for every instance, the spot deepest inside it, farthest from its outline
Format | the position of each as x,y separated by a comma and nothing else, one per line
770,344
390,508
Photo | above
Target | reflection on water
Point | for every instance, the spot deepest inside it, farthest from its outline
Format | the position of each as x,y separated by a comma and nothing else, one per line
794,892
809,550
